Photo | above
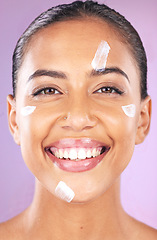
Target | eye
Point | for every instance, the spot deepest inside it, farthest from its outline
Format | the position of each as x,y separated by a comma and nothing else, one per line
47,91
109,90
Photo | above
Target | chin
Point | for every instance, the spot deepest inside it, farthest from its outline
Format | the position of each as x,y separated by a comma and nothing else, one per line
87,197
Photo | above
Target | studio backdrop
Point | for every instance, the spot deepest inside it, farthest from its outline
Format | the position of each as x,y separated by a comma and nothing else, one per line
139,180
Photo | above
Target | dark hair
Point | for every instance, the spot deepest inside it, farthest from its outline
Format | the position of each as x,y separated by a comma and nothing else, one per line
77,10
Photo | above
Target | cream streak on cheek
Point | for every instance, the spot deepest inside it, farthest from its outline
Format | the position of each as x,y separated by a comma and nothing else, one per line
25,111
129,110
64,192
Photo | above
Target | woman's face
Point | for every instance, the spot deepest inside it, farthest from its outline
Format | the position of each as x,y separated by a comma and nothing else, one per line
78,111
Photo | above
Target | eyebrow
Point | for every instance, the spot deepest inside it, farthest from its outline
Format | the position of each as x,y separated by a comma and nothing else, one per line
53,74
109,70
62,75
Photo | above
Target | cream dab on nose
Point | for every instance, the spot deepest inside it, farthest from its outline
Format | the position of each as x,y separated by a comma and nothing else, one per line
64,192
25,111
129,110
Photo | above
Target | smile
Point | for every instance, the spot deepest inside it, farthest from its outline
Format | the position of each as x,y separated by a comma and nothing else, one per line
76,155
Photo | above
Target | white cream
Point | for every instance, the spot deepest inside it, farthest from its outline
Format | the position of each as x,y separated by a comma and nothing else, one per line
100,58
129,110
25,111
64,192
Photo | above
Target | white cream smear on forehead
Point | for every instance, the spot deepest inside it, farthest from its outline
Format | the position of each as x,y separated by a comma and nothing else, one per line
129,110
64,192
100,58
25,111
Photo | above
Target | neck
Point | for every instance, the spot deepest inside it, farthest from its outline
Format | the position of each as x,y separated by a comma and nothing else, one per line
90,220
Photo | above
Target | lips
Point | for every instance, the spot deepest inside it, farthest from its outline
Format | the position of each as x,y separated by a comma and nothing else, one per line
77,155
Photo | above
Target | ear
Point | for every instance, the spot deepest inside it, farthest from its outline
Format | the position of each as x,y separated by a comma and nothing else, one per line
13,126
144,120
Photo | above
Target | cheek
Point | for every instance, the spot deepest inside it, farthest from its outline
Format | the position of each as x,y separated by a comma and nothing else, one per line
36,123
35,127
120,129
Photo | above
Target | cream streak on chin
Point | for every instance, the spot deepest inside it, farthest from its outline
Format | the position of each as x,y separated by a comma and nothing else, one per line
129,110
64,192
25,111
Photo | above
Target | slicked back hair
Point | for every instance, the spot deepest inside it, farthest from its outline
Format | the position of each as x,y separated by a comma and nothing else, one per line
80,10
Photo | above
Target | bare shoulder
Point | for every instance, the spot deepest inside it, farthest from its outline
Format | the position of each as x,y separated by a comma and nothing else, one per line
148,232
11,229
143,231
5,231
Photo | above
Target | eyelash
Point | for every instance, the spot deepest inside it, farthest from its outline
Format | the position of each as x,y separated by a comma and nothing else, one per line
109,90
50,91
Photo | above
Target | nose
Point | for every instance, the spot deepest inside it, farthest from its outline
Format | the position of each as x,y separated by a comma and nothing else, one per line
78,116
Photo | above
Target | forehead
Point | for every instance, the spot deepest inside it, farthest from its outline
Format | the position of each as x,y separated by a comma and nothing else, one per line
86,30
80,34
73,44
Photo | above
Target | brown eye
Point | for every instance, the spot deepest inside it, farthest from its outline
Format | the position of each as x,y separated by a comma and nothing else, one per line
49,91
109,90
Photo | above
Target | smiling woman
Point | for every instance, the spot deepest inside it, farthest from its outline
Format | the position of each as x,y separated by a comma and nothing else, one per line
78,108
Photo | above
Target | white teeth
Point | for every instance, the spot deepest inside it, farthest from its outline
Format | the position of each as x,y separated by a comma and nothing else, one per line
98,152
57,154
76,154
94,152
73,154
88,154
81,154
61,153
66,155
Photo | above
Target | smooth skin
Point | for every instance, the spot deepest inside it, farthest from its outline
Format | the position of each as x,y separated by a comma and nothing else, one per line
94,110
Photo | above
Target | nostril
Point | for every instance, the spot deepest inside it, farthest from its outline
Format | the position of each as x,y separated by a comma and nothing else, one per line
77,122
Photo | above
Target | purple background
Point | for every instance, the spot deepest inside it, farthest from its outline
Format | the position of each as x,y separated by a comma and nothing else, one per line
139,180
